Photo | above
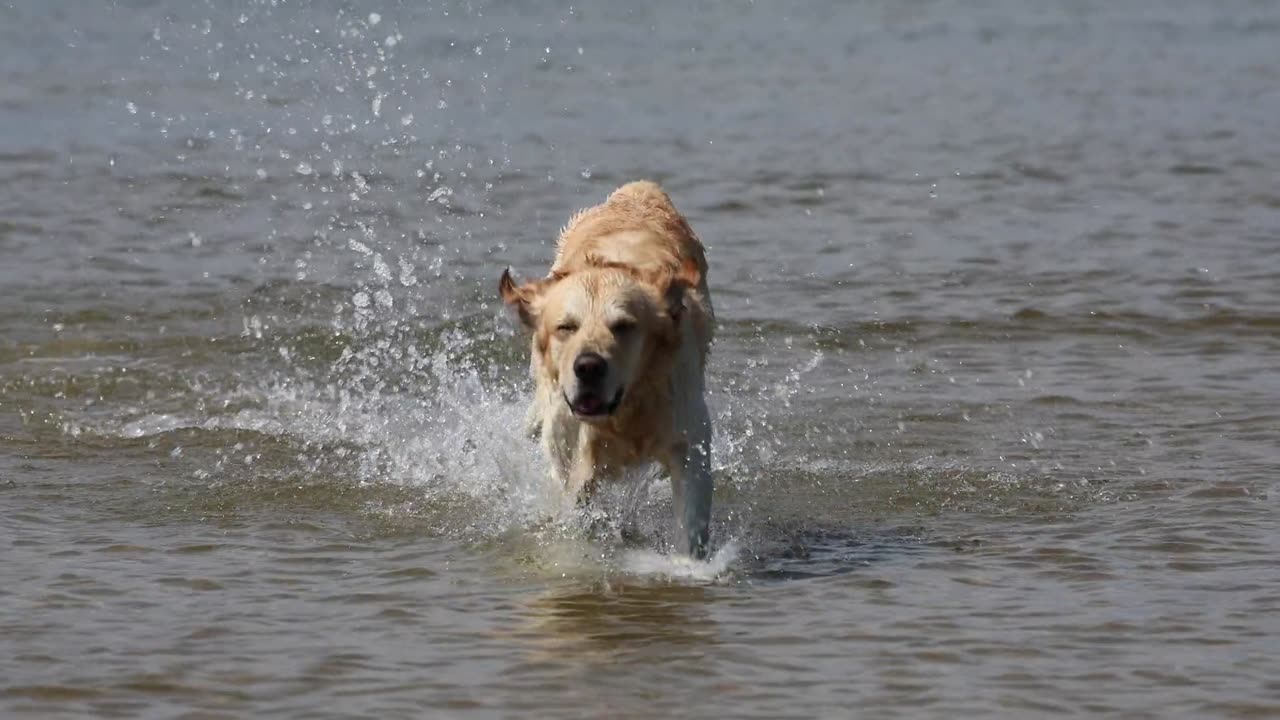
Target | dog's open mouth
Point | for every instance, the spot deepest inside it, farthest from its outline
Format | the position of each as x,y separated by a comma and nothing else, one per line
589,405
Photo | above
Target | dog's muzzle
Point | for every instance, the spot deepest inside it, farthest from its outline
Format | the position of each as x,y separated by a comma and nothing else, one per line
591,406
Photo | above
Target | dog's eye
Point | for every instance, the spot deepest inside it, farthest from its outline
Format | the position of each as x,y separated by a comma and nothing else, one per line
567,328
621,327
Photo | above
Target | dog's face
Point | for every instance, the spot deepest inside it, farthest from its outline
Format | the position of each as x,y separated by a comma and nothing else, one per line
600,330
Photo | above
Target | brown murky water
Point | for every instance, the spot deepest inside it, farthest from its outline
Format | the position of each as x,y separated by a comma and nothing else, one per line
995,391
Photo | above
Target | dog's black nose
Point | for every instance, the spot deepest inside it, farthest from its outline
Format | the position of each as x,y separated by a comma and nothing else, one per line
590,367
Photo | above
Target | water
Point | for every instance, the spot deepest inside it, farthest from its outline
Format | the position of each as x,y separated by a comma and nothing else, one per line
995,386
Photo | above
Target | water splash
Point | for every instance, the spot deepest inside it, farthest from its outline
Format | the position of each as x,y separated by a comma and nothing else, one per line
371,342
648,563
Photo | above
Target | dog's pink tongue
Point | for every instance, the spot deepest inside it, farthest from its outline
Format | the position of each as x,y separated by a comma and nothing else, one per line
589,405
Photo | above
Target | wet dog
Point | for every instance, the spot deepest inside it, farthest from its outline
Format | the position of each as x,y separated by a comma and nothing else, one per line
621,328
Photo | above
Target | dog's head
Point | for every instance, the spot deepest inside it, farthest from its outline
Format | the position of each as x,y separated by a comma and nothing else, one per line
602,329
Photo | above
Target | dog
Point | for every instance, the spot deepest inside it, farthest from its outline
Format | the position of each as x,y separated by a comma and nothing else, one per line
621,328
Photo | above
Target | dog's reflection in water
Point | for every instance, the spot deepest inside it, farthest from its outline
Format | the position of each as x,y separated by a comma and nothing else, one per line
612,620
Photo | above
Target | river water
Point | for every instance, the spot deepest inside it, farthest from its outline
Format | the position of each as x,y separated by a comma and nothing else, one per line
995,386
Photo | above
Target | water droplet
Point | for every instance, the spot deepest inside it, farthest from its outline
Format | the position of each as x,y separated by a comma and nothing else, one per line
586,173
407,120
374,18
262,174
406,273
133,109
380,269
243,18
304,168
361,299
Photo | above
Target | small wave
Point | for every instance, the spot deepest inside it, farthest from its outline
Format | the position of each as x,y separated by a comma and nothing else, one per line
154,425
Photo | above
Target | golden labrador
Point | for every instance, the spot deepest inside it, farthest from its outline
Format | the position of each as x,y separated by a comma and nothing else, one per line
621,328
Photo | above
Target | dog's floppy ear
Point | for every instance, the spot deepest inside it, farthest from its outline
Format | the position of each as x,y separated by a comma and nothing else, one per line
676,287
524,297
519,297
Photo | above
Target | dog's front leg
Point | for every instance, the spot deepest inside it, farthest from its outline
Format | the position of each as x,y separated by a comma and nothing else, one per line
560,442
542,409
533,421
580,481
691,486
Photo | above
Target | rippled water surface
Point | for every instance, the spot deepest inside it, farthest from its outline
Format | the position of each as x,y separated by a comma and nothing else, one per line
995,387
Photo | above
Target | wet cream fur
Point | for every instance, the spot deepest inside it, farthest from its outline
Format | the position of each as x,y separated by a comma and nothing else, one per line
629,284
